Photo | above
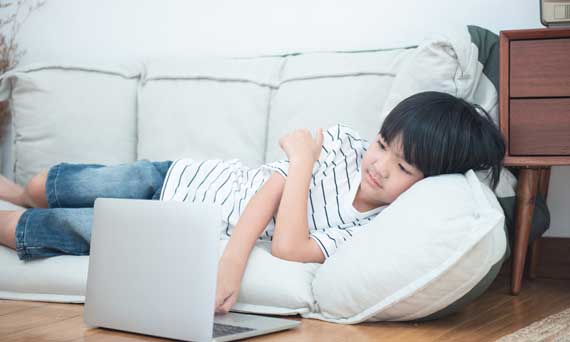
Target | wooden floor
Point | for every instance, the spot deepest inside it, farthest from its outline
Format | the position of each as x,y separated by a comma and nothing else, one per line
493,315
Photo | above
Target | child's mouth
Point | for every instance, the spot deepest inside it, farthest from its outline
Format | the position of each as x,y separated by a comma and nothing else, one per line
373,181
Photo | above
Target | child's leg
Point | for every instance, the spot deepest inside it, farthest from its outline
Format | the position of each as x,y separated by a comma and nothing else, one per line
39,233
8,221
78,185
86,182
32,195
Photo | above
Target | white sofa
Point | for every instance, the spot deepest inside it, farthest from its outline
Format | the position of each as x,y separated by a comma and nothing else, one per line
228,108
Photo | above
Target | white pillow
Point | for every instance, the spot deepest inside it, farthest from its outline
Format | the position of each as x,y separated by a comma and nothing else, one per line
274,286
454,68
422,253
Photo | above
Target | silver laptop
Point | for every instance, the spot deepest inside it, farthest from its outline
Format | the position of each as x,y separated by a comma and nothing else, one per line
153,270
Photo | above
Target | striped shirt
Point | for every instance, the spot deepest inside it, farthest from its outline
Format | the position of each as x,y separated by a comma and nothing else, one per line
332,219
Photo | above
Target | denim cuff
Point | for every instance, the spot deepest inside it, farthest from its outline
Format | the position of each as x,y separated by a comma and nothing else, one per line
21,230
51,182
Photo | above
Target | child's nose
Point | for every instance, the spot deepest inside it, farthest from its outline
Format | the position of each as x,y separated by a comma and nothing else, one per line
379,169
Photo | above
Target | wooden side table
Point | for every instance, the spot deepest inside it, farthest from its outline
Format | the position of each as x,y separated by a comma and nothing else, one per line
534,117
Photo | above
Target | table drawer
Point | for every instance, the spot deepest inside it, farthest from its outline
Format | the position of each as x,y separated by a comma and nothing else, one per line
539,127
540,68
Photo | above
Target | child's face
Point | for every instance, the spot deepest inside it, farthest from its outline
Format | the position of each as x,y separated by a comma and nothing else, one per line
385,164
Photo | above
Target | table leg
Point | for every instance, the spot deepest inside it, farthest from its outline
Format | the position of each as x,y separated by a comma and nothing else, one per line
543,181
534,259
526,193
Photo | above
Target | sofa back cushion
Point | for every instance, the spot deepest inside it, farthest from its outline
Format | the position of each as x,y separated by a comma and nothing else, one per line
69,114
322,89
206,108
203,108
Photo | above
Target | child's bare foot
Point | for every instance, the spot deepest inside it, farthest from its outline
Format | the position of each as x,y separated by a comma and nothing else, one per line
10,191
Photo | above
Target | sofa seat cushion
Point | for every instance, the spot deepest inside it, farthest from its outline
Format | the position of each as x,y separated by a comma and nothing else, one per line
64,279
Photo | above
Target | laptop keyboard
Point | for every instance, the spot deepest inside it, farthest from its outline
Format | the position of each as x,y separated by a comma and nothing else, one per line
226,329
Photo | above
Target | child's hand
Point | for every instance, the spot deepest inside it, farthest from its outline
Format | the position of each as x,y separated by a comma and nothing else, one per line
228,285
299,144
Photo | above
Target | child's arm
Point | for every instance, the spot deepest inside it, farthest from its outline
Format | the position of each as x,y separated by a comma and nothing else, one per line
291,236
291,239
254,219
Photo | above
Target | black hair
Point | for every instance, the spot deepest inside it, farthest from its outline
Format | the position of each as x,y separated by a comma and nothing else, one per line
443,134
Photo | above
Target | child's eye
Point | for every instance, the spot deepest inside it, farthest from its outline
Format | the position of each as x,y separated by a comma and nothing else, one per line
381,145
403,169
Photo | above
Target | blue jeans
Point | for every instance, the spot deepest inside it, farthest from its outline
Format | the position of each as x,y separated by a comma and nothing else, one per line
71,189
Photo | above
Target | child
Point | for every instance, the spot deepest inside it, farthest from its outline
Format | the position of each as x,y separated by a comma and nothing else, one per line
308,205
